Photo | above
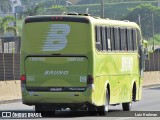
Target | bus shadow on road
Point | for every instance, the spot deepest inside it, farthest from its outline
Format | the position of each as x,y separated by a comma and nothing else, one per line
74,114
155,88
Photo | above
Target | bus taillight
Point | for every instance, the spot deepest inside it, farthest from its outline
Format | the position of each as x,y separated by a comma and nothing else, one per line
90,79
23,78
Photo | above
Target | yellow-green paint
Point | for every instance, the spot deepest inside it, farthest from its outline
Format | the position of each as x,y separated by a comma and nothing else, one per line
79,58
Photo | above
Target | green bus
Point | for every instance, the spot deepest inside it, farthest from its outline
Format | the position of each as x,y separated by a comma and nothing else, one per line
80,62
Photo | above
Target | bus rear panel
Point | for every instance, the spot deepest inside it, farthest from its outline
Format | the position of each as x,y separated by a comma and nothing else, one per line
55,58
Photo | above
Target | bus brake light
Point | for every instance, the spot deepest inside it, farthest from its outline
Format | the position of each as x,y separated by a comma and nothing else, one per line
57,18
23,78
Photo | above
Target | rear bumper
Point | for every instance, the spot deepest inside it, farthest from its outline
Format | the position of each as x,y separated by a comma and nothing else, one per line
32,97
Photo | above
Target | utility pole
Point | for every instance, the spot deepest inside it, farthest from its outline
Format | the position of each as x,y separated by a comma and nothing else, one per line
139,20
0,6
153,30
102,8
158,3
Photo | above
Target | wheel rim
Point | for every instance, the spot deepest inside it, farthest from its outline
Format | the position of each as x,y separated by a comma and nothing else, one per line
106,108
130,105
106,102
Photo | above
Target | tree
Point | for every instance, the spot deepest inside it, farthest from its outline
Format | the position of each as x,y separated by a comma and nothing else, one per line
4,25
156,40
33,9
43,7
5,6
144,14
56,9
107,1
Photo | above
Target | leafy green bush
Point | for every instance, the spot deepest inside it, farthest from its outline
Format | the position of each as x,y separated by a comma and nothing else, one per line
156,39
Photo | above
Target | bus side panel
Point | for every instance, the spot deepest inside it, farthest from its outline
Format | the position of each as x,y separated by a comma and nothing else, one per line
120,70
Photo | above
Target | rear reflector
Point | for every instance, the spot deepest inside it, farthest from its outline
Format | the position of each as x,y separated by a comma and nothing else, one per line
90,79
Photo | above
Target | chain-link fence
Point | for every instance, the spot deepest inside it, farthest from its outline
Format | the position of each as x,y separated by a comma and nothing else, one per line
152,66
9,58
153,62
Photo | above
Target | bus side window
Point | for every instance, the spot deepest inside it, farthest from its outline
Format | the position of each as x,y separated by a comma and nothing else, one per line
98,38
129,40
134,39
116,39
112,39
108,38
126,40
104,38
123,39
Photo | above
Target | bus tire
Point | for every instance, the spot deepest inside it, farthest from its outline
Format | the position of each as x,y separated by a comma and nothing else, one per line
127,106
103,110
92,110
45,110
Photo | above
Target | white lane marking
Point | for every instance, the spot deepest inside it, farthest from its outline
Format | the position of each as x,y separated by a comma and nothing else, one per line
125,118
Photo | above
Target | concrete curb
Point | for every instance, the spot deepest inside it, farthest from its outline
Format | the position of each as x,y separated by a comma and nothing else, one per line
10,101
10,90
152,86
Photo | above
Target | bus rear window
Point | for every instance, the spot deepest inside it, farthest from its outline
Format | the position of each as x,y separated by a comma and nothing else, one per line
56,37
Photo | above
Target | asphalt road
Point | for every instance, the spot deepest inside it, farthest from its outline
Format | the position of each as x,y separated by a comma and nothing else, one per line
150,105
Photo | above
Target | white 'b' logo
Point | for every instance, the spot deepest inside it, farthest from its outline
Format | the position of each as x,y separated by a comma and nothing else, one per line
56,39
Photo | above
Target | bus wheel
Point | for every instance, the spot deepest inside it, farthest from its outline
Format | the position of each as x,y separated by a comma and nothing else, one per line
127,106
92,110
45,110
103,110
